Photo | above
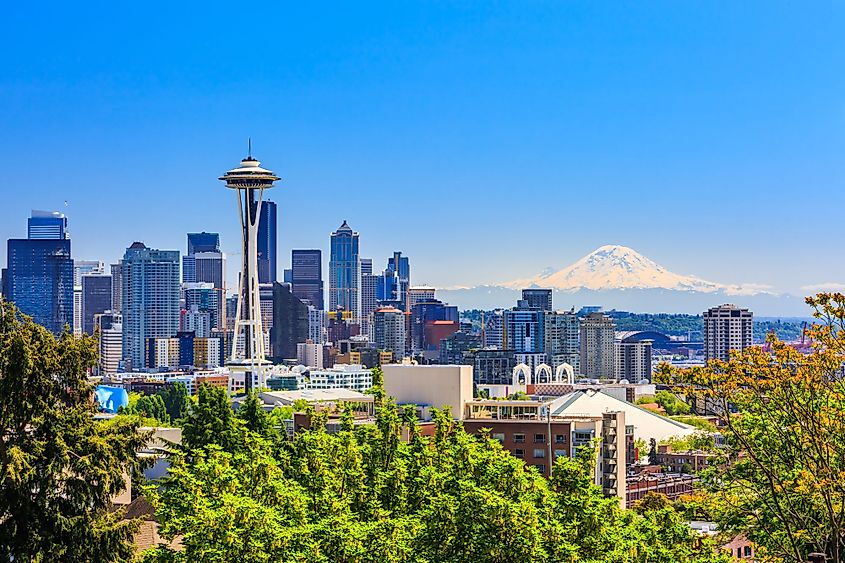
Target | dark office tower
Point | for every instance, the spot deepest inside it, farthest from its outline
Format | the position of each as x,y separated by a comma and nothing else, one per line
267,243
39,280
538,298
290,322
46,225
150,299
96,298
306,275
116,286
425,318
203,242
345,273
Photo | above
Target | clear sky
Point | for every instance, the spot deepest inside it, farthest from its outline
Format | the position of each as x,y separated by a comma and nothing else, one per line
487,141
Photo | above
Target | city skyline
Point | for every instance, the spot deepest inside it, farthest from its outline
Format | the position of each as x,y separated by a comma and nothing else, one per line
689,134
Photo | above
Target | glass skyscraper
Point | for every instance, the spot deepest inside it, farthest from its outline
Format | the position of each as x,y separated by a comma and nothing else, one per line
203,242
39,281
307,276
345,272
46,225
150,295
267,243
39,273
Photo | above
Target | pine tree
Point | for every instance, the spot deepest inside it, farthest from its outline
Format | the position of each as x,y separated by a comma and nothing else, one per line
59,468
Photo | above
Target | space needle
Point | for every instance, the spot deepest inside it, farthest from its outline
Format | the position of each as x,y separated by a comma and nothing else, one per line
249,181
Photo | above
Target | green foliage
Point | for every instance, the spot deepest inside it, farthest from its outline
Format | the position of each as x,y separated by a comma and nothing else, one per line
364,495
671,403
59,468
780,479
700,423
698,441
254,417
176,400
212,421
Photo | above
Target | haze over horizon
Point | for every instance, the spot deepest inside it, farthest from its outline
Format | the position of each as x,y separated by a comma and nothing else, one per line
486,143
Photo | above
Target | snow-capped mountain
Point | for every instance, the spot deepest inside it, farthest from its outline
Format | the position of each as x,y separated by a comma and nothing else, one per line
620,267
617,277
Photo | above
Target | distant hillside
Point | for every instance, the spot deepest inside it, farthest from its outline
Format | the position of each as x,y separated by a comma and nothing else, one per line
679,324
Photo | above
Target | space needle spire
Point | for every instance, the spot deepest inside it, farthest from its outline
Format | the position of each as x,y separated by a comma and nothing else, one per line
249,181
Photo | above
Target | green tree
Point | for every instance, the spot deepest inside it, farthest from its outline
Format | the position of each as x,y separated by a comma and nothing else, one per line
152,406
176,400
255,418
364,495
212,421
59,468
780,478
671,403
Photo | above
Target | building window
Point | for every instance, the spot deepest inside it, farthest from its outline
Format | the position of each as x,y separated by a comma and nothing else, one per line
560,453
539,438
747,550
519,452
498,436
541,468
560,438
539,452
519,438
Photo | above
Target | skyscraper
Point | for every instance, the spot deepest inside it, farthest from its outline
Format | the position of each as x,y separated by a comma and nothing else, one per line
400,269
389,331
307,276
290,322
50,225
562,328
539,298
524,330
633,357
203,309
345,272
203,242
206,264
110,326
150,308
116,287
39,272
726,328
267,243
96,298
424,315
598,349
81,268
369,302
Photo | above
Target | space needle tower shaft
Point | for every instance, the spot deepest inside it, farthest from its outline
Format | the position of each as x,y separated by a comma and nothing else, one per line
249,181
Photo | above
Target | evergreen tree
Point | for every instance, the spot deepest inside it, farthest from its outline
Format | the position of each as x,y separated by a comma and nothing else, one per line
211,421
254,417
59,468
176,400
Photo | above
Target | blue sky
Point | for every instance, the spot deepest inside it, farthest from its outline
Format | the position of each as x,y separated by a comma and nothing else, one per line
488,141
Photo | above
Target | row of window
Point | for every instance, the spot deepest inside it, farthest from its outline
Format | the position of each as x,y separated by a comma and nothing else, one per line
539,453
519,438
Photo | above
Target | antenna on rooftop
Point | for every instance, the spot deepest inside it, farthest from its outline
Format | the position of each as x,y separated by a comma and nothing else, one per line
249,147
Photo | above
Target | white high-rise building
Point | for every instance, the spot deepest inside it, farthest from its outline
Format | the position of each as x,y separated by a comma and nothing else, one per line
420,294
598,348
561,334
310,354
726,328
315,325
110,327
388,331
633,357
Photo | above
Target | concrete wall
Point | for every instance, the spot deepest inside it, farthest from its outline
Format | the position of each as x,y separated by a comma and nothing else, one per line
436,386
